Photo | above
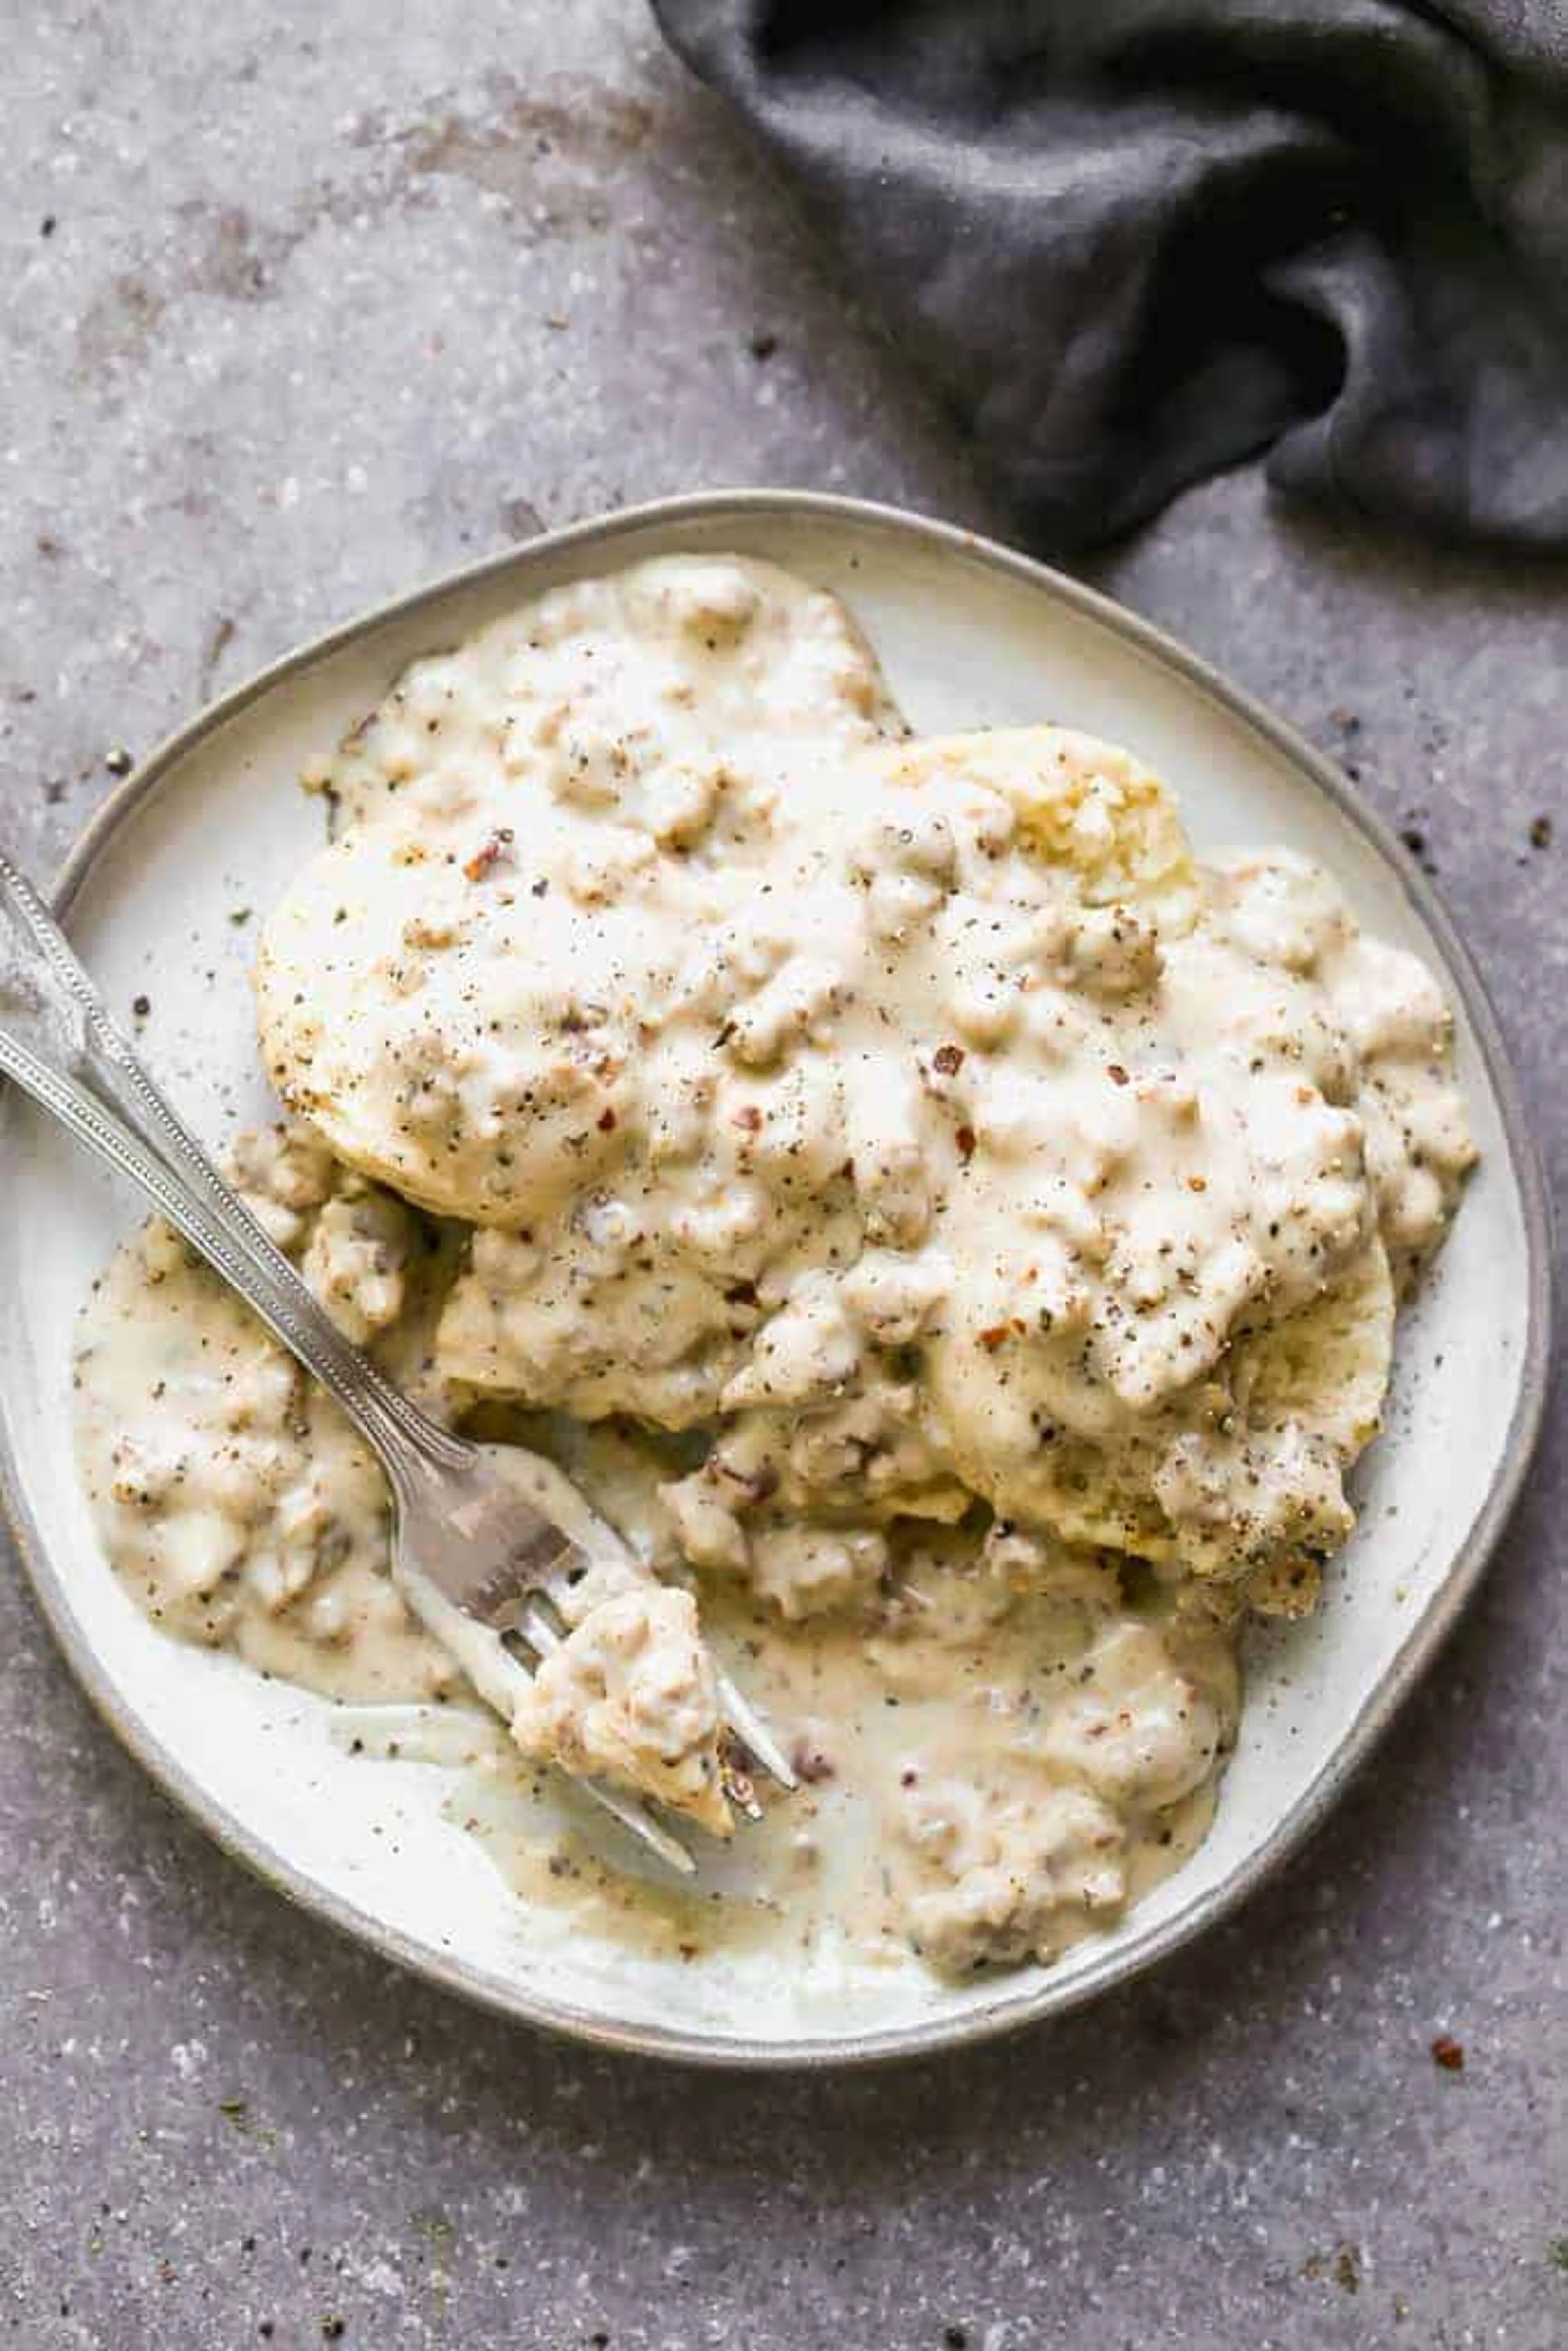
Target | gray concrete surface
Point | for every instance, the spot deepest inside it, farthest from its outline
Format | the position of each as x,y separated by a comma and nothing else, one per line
303,304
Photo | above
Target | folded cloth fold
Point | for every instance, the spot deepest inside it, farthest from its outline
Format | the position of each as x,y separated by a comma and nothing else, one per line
1131,242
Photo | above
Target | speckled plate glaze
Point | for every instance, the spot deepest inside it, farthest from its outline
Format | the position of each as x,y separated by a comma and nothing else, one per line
971,634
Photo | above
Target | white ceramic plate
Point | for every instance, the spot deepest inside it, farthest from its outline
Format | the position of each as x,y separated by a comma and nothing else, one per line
970,635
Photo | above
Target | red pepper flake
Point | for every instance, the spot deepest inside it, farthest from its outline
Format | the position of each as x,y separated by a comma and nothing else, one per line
606,1120
1448,2053
993,1337
487,855
1116,1073
965,1139
947,1060
749,1117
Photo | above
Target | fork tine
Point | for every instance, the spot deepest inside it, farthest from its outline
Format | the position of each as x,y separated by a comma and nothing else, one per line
750,1728
635,1815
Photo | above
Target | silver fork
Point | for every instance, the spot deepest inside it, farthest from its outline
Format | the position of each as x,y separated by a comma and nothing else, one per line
475,1552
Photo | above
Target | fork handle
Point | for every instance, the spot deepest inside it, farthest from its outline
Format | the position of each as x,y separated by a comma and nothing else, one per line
138,1134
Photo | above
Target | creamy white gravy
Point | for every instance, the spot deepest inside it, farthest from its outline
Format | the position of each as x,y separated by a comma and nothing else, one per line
973,1227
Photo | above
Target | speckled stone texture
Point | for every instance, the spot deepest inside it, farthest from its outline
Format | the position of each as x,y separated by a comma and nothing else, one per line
303,305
